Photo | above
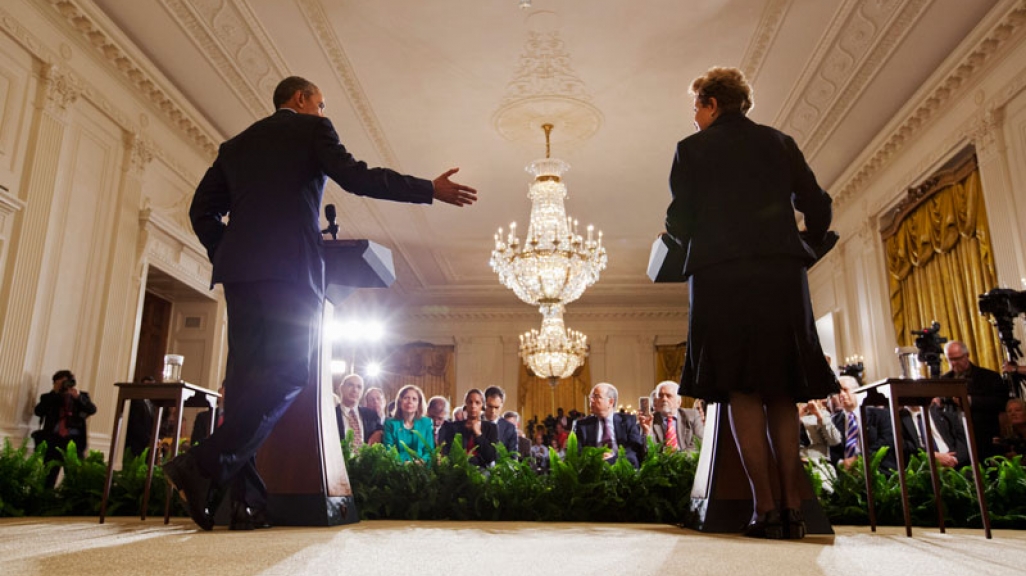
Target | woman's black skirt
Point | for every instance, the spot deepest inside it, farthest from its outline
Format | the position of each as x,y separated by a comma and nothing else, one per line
751,330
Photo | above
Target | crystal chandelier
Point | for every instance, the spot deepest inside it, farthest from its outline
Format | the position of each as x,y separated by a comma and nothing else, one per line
554,264
556,351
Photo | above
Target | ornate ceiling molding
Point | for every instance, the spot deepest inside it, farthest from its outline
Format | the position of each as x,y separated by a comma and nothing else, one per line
79,22
765,33
319,22
546,89
860,38
89,92
1009,26
230,36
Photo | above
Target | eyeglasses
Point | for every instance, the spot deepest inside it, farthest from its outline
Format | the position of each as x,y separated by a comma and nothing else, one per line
957,358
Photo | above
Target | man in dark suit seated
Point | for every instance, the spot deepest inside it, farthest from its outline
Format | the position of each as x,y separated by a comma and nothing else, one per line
878,430
479,436
268,182
349,415
495,397
988,394
948,442
606,427
523,442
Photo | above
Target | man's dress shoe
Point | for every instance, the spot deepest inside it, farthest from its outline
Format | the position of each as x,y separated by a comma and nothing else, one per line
247,518
185,476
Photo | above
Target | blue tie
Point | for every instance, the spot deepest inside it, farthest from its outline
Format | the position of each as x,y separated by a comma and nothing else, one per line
851,442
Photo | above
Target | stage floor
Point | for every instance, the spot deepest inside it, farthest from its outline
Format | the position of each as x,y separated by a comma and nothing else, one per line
82,547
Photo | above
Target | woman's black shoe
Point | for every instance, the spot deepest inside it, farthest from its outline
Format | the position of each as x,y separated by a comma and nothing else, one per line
246,518
794,524
767,525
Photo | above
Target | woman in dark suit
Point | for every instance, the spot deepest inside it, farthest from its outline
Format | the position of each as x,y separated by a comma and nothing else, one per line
752,341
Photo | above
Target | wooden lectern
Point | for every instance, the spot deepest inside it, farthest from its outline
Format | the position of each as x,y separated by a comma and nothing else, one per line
301,461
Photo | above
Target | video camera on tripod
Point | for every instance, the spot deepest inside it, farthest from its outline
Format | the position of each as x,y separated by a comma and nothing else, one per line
1003,305
930,345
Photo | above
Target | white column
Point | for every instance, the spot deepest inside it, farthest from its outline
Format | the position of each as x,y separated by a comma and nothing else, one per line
18,371
998,196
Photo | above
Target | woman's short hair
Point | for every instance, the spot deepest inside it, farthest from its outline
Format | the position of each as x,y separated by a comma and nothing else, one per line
421,404
728,86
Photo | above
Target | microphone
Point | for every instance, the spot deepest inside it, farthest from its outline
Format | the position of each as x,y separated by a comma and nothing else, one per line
329,213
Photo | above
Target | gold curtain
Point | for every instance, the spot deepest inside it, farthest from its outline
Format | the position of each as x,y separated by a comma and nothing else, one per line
939,261
669,364
537,398
432,368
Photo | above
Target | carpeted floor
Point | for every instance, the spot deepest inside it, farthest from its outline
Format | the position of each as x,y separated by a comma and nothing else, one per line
82,547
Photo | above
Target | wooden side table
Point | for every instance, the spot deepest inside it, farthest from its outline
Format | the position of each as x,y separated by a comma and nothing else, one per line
161,395
898,392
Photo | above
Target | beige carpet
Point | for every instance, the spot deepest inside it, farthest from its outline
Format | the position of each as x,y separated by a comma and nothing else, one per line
82,547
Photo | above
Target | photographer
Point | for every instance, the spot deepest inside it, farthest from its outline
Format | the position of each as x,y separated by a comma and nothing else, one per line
63,412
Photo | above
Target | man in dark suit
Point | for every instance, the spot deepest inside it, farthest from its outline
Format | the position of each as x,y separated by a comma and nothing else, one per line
988,395
606,427
269,257
478,435
495,397
349,415
523,442
678,429
948,439
878,430
63,412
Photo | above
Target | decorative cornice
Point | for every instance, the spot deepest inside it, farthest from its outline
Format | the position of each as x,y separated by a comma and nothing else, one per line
930,103
78,21
230,36
765,33
320,24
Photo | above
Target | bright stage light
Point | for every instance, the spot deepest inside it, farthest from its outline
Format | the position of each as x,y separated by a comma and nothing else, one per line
373,369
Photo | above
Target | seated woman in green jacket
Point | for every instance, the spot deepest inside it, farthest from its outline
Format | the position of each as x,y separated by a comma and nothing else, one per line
409,429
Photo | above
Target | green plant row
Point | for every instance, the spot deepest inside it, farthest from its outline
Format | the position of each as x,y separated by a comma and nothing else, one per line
578,488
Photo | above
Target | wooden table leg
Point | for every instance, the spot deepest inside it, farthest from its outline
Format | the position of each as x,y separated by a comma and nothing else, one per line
174,453
934,476
865,469
118,416
152,460
899,450
967,422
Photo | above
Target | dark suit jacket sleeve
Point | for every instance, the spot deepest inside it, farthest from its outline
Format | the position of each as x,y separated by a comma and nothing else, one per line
355,177
679,223
633,440
809,199
370,421
85,405
881,434
209,206
486,444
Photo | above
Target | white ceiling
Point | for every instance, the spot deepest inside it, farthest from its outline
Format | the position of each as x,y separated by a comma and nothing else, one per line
416,85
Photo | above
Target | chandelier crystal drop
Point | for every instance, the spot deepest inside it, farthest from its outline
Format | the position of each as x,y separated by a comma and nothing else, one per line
554,264
554,352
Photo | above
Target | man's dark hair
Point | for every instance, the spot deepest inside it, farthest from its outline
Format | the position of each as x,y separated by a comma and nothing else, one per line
493,391
63,374
289,86
148,379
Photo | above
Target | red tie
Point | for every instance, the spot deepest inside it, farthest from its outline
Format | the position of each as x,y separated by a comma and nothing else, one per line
354,424
220,418
671,433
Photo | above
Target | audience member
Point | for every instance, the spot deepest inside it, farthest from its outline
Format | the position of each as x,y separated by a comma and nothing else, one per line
523,442
374,398
478,436
608,428
988,394
671,426
349,415
139,429
818,432
947,440
63,412
878,430
438,412
559,438
458,415
1012,442
539,449
699,406
495,398
409,429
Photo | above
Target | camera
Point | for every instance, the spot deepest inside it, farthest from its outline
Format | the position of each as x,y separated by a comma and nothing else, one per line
1003,305
68,384
929,343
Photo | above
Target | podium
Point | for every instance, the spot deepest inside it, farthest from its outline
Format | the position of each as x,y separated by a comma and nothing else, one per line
301,461
721,498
